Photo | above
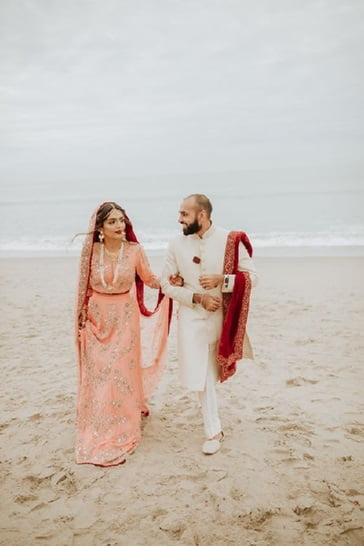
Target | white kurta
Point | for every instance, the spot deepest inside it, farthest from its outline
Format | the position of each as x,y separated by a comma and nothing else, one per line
197,328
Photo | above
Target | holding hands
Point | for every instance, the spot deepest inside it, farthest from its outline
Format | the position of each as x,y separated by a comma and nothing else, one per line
208,301
207,282
210,281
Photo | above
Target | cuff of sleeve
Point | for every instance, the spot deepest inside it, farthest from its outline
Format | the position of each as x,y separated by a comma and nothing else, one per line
228,283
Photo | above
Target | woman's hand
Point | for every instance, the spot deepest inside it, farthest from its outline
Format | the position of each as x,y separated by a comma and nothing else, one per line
176,280
155,284
210,281
82,317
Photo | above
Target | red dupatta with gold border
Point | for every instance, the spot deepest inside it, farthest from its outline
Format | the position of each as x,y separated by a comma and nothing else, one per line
234,342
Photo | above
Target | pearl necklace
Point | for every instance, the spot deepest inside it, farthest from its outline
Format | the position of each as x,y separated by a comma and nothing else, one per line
102,267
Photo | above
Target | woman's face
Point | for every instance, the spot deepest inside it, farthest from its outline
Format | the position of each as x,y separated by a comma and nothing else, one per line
114,226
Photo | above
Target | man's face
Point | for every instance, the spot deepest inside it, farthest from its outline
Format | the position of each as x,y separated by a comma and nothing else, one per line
189,217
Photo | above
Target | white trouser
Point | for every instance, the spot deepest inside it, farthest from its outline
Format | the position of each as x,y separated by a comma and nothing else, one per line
208,398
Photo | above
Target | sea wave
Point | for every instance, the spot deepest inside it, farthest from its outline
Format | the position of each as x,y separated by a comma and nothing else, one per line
157,241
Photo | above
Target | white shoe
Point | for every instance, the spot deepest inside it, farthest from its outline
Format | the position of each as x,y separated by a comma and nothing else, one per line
213,445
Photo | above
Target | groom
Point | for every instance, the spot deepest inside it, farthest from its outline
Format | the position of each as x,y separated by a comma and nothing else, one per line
218,273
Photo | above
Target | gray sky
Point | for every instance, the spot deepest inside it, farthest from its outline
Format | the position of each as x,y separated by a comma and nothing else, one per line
98,89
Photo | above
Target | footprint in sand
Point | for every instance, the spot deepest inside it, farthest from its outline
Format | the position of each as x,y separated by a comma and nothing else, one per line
173,527
305,341
24,499
217,474
345,459
355,431
37,417
64,481
3,426
294,427
258,517
264,409
158,513
354,534
300,381
35,482
308,456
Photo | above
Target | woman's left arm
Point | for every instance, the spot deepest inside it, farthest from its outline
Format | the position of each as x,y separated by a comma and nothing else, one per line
144,271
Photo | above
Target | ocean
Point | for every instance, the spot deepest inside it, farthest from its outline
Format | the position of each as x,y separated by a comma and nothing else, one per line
284,221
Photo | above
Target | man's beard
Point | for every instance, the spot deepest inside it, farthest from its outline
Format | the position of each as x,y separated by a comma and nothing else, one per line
190,229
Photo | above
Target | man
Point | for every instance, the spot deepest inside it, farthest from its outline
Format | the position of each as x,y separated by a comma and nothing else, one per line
199,256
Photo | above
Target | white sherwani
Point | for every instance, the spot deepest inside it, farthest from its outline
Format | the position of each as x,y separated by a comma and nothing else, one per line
198,328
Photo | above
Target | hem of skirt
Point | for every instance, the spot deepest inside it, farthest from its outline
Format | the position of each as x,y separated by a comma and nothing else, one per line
104,465
114,462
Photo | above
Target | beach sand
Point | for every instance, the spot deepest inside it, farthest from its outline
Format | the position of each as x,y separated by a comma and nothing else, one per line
291,469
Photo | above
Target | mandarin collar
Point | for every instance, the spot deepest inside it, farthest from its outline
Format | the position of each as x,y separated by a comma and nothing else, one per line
207,233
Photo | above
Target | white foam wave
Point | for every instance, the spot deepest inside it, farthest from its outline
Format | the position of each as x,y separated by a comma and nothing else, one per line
158,241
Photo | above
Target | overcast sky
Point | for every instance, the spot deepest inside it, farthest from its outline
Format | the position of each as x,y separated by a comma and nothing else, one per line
92,89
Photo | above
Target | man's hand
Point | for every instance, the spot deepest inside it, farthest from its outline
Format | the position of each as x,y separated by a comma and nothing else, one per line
210,303
210,281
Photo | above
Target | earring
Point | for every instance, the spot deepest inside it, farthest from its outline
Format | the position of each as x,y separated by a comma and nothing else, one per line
101,237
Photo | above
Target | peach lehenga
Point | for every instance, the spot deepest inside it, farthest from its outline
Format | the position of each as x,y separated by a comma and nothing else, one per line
117,371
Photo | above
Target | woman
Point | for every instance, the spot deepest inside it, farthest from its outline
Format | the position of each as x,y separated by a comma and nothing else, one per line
113,384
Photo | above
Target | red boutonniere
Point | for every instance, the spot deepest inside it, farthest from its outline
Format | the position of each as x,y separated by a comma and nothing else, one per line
196,260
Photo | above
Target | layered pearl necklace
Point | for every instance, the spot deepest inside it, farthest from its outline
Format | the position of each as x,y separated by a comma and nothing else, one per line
102,267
